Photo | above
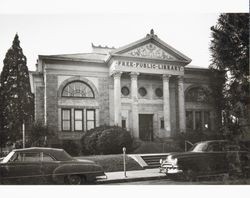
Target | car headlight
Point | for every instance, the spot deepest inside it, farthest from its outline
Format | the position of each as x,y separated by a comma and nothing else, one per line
171,160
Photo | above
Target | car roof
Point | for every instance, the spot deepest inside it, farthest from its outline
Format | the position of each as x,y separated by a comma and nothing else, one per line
211,141
58,154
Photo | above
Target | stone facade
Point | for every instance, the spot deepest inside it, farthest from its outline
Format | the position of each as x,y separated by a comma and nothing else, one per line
146,87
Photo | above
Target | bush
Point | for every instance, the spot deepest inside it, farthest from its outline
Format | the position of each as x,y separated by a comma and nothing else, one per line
111,141
71,147
106,140
89,140
157,147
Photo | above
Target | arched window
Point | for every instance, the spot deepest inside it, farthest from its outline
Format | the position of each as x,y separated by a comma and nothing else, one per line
78,89
197,94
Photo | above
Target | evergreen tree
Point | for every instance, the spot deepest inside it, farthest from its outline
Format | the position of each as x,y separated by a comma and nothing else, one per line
16,97
230,62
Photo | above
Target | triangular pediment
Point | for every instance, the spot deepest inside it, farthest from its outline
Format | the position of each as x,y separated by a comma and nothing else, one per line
150,50
151,47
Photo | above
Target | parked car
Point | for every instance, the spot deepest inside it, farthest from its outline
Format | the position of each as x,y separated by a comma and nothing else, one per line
207,158
47,165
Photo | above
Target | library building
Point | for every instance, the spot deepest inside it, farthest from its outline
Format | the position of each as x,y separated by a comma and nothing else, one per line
147,87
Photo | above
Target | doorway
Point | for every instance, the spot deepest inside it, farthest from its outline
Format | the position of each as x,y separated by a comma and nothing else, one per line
146,127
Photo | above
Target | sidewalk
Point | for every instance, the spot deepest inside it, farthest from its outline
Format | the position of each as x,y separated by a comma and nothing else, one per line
137,175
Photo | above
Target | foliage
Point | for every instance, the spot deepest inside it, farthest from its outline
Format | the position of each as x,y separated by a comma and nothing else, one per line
89,140
157,147
39,134
230,62
111,141
105,140
112,163
71,147
16,97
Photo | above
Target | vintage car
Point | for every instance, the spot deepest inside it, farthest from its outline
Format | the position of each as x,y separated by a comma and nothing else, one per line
207,158
46,165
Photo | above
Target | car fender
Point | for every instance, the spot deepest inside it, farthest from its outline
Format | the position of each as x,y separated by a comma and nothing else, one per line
74,168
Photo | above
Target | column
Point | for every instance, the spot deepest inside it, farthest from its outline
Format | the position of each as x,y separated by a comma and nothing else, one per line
181,102
117,98
166,105
134,106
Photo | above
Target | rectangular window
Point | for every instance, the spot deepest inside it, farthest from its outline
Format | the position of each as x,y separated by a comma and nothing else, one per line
162,123
198,121
90,119
124,124
78,119
66,119
189,120
207,122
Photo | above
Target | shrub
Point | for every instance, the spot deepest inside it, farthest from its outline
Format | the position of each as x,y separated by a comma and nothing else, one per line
111,141
106,140
71,147
89,140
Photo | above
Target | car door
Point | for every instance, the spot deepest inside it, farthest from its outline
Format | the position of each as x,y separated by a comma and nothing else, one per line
23,167
49,164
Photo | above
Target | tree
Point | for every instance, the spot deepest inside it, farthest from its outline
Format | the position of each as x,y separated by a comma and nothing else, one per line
230,64
16,97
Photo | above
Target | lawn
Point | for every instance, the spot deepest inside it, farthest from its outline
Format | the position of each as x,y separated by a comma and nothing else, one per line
112,163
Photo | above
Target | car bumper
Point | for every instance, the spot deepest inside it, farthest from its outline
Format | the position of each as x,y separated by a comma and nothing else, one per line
170,169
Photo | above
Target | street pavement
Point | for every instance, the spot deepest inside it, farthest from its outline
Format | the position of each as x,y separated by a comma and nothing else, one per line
154,177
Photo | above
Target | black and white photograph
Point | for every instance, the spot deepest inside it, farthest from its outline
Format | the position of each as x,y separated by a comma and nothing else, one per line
124,93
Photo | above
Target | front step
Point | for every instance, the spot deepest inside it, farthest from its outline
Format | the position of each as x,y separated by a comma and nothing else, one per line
149,160
153,161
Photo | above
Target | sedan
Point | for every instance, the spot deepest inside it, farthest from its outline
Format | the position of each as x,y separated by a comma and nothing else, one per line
47,165
207,158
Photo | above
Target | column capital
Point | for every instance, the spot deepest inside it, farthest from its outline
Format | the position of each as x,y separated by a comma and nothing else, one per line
134,75
180,79
117,74
166,77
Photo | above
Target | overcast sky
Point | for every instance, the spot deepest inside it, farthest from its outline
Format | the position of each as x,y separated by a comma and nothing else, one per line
48,31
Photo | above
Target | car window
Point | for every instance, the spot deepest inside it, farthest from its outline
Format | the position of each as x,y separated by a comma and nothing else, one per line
46,158
214,147
26,157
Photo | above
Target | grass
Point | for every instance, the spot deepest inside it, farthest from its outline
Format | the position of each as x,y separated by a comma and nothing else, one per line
112,163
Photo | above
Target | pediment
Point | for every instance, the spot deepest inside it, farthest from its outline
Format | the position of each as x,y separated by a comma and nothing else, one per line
151,47
150,50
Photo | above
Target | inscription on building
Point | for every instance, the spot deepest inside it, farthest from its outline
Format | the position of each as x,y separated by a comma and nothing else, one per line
142,65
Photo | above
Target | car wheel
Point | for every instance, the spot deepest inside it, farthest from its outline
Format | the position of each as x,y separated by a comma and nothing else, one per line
73,179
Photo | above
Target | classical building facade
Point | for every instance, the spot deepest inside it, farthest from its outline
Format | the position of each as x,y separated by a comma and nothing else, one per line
146,87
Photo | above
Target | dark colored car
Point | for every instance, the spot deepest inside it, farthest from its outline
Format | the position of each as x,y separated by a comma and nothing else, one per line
46,165
207,158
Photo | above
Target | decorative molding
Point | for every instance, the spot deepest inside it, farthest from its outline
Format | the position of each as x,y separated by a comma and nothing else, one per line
134,75
150,50
117,74
166,77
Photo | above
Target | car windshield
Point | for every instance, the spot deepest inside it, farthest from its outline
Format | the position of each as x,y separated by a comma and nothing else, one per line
7,158
199,147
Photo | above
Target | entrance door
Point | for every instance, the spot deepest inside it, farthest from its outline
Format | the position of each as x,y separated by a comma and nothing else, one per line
146,127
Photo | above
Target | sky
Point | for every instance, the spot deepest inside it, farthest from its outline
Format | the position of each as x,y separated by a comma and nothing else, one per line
60,28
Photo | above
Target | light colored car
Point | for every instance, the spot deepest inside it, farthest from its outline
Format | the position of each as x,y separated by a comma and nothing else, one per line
47,164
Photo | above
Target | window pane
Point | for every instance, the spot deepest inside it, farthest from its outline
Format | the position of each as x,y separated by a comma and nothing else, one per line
30,157
78,89
90,115
66,114
78,114
66,125
47,158
78,125
90,125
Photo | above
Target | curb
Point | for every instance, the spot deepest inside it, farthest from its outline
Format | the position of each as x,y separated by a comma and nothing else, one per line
123,180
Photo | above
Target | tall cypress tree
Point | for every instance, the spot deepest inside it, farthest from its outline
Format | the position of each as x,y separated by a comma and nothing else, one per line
230,60
16,97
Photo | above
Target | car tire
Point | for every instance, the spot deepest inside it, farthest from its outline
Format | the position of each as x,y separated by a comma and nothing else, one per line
74,179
